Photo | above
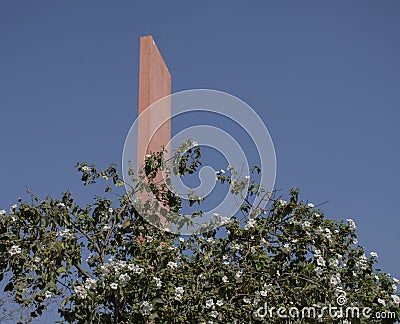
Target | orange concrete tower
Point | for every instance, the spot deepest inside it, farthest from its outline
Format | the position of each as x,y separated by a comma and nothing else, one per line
154,84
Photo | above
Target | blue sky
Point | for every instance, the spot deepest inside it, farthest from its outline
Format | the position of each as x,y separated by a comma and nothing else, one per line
324,77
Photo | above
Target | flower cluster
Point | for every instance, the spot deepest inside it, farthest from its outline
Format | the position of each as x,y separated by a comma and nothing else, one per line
80,291
179,293
352,224
67,233
15,249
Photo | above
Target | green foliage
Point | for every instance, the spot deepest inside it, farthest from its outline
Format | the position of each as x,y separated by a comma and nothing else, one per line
107,264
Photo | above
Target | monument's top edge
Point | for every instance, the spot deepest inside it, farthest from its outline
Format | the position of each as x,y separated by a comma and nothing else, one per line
149,40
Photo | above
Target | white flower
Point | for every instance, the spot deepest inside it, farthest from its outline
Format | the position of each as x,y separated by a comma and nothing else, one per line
222,171
86,169
61,205
121,264
352,224
178,297
225,279
362,262
209,303
106,227
310,205
334,263
172,265
306,224
148,155
381,301
396,281
114,285
394,287
286,247
66,233
110,210
135,268
335,280
179,290
48,294
146,308
320,261
374,254
355,241
265,290
90,283
219,303
13,207
247,177
181,239
225,220
15,249
246,300
124,278
236,247
317,252
2,212
282,202
210,240
396,299
229,167
318,271
214,314
238,276
158,282
80,291
251,223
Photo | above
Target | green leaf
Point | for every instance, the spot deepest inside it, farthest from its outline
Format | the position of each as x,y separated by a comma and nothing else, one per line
64,302
61,270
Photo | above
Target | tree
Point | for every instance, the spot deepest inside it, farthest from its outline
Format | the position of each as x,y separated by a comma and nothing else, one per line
105,263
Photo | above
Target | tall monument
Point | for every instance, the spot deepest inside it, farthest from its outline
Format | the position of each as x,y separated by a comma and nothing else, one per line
154,84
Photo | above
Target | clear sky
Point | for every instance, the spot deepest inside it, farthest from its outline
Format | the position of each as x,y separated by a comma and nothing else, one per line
324,77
